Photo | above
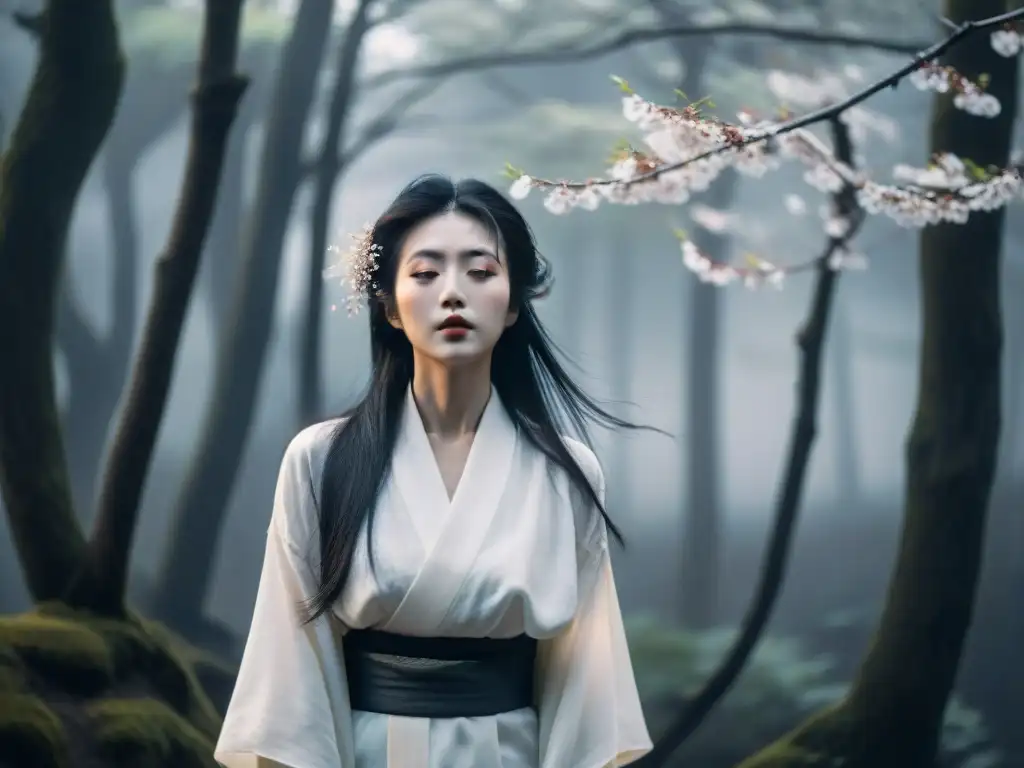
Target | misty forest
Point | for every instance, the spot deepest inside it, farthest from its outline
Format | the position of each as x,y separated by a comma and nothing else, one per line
786,233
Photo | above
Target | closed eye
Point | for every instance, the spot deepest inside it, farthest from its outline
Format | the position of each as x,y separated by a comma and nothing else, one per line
425,275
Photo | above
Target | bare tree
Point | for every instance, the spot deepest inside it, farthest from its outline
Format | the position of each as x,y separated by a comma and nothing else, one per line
69,110
198,512
103,579
97,364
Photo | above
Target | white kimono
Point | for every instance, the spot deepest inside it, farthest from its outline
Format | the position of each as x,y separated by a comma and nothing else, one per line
516,550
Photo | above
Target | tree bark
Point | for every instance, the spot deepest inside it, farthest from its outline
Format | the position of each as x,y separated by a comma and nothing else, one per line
200,508
893,714
69,110
215,100
903,687
329,166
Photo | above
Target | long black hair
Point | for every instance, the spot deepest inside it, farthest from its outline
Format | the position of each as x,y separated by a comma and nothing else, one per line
534,388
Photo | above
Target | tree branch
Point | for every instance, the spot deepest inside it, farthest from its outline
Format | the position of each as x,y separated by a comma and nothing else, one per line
387,121
811,342
215,103
325,177
569,52
824,114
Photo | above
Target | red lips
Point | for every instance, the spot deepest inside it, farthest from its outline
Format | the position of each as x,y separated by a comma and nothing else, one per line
455,321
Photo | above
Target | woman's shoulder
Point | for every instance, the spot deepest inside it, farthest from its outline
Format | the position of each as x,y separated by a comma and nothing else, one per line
298,479
306,453
313,441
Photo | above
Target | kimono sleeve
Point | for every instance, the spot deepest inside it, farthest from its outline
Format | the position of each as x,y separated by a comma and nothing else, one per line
589,709
290,704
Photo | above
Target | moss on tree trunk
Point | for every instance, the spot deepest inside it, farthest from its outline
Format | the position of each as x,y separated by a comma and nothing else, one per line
894,712
68,111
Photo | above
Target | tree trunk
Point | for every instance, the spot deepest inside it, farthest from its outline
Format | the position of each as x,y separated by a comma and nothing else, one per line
98,365
847,456
220,261
904,685
215,101
68,112
329,166
894,712
200,508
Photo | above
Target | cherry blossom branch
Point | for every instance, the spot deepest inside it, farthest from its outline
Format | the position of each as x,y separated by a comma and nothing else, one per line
687,150
734,139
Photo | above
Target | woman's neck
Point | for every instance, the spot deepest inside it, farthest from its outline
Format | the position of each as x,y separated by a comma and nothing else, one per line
451,400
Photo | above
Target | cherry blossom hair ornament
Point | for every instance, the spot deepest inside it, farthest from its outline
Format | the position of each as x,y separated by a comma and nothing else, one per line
356,267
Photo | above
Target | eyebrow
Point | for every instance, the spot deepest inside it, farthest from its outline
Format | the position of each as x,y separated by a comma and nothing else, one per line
436,255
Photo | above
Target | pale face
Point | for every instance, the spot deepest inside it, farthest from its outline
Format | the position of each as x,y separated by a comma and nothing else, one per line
450,266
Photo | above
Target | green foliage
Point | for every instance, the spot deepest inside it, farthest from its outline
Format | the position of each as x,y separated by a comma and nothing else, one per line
783,684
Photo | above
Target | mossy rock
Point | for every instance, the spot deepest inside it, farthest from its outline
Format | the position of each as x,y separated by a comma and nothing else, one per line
58,649
92,665
145,733
30,733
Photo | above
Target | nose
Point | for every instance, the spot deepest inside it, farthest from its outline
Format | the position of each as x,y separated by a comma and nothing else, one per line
452,296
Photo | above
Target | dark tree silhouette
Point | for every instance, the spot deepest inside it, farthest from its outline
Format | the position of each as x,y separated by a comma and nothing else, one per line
135,697
101,586
68,111
199,510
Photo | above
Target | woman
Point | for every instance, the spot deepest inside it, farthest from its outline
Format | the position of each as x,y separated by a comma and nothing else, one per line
481,629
